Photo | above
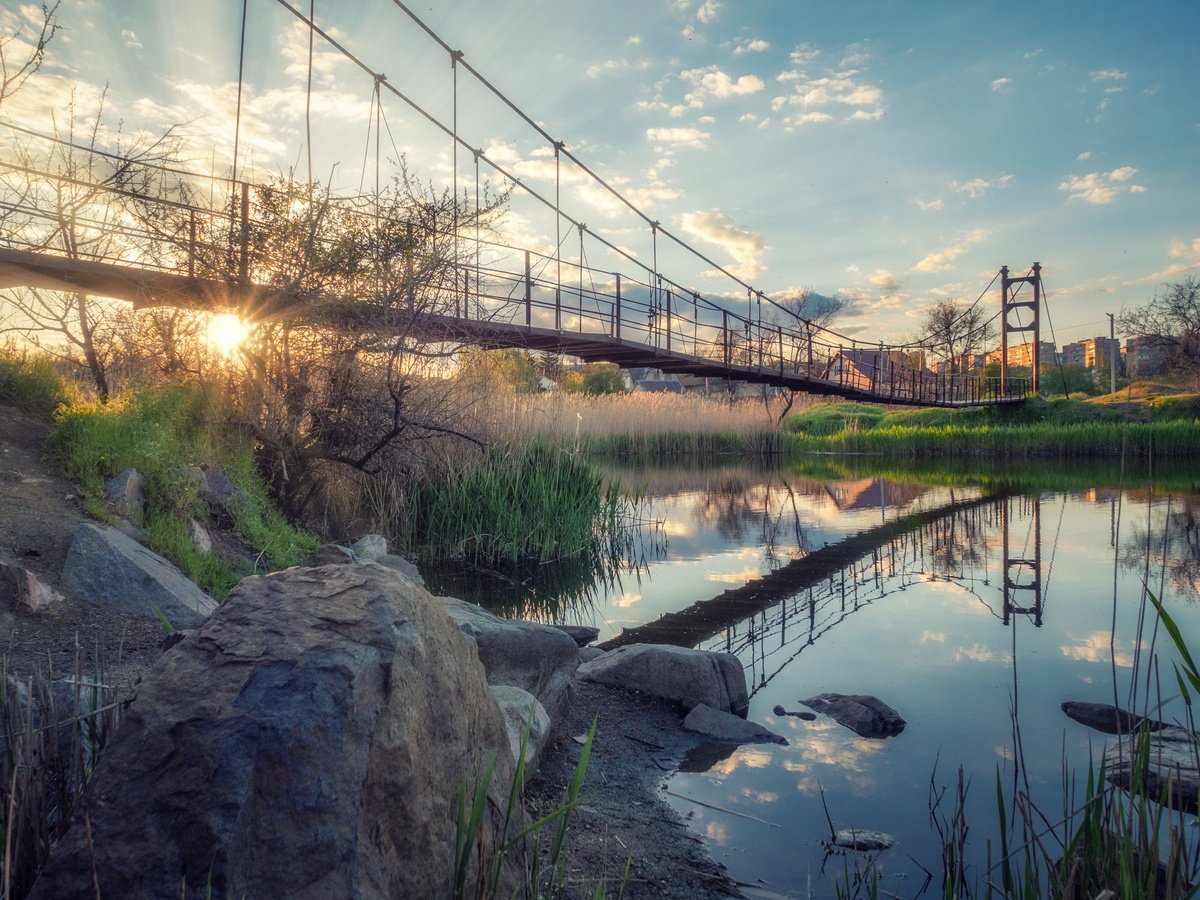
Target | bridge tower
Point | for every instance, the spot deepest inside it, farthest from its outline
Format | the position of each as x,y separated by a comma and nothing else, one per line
1023,575
1009,304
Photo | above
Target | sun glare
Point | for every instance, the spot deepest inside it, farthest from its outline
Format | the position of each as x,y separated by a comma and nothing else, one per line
226,333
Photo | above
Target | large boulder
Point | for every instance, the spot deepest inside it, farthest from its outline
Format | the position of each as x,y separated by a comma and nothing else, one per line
104,566
866,716
527,722
308,741
537,658
126,494
690,677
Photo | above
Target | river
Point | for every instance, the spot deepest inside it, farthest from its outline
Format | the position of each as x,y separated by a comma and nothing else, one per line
973,603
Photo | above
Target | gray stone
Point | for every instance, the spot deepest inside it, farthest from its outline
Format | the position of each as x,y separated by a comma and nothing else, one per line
21,588
308,741
866,716
540,659
106,567
370,546
689,677
728,728
587,654
860,839
582,635
223,497
1170,776
401,565
130,530
1106,717
200,538
331,555
526,720
126,494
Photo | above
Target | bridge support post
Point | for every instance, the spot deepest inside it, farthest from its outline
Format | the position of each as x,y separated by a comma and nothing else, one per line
617,317
668,321
1008,305
528,294
725,334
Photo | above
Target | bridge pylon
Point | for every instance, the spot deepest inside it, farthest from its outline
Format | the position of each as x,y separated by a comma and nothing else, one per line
1009,304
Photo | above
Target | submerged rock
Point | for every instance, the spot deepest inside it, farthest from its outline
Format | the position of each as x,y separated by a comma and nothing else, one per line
728,728
859,839
1107,718
1170,775
866,716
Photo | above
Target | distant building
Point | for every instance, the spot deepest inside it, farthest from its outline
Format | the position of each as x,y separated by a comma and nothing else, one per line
1022,354
1146,355
1092,353
1074,354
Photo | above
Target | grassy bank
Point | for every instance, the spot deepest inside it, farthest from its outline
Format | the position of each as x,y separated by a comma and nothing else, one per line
1159,428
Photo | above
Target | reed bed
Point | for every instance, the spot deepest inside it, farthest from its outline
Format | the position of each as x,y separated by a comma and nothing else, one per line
650,426
533,503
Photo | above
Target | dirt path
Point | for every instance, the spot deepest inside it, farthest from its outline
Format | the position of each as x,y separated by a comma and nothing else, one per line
39,513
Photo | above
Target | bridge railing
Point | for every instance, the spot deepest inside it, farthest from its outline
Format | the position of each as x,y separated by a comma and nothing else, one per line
416,255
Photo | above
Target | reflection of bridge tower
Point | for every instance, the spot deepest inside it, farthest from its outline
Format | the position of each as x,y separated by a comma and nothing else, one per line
1023,574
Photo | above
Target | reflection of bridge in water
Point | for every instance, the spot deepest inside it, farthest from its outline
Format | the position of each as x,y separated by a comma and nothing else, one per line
770,621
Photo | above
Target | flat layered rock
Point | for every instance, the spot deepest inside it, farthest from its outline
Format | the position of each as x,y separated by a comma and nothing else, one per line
863,714
1170,776
728,728
689,677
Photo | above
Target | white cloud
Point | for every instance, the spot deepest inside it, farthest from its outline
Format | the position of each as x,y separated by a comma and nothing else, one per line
856,55
804,54
1085,155
131,39
808,118
1100,188
744,246
708,11
1188,254
633,40
1033,54
679,137
609,65
755,45
1001,85
940,260
884,280
712,82
748,117
930,205
977,187
1108,75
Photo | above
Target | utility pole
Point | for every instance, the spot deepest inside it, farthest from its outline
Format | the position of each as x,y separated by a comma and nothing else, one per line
1112,355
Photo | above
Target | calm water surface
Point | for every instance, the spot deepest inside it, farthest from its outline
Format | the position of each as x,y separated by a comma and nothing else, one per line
917,615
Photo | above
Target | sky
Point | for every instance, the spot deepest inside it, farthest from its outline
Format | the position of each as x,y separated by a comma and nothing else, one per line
897,153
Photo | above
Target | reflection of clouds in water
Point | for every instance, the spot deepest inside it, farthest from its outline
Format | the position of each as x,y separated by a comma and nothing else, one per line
677,528
760,797
979,653
626,600
1097,647
1004,752
933,637
829,744
742,576
751,759
717,832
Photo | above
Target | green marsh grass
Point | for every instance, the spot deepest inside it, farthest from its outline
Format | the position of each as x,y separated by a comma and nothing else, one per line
30,380
532,504
161,431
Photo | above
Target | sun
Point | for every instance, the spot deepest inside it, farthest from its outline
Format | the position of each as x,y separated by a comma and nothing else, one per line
226,333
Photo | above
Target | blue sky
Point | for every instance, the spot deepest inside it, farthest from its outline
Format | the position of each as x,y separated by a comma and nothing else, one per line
896,152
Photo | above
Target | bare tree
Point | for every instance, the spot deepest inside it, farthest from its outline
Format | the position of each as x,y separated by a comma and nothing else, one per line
951,330
70,197
1170,320
806,312
29,54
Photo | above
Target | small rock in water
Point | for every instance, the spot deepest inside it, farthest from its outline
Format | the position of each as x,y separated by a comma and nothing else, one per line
858,839
779,710
806,716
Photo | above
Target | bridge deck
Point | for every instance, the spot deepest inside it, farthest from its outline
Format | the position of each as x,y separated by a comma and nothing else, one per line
729,348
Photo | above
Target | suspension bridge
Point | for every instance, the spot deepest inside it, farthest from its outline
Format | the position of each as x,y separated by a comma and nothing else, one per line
134,227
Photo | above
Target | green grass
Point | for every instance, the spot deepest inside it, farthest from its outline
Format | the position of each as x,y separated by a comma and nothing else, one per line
162,431
1056,429
30,380
518,505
